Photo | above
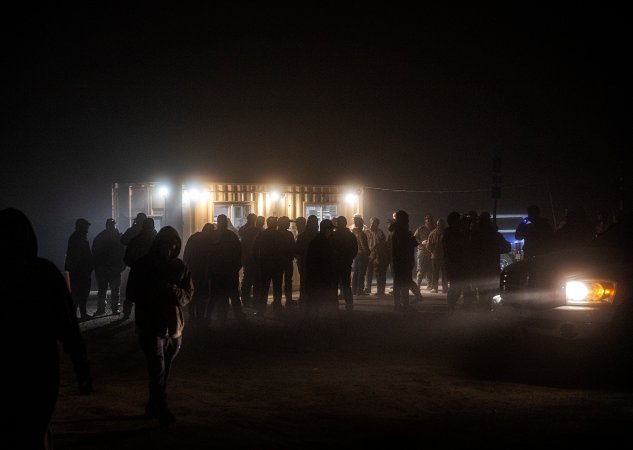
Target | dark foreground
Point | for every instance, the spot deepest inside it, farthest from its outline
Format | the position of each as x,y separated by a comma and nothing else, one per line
378,378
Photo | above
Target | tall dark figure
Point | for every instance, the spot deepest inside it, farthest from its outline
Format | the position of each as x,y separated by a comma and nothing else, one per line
403,246
107,254
34,374
160,286
79,266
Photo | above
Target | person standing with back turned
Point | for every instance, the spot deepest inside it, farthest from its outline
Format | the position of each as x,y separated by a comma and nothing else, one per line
107,253
536,232
79,266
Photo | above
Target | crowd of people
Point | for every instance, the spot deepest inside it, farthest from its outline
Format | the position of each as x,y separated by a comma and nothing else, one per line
223,269
236,268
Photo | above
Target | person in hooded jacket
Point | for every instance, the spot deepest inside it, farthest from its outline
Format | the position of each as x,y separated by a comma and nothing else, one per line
160,286
33,354
79,266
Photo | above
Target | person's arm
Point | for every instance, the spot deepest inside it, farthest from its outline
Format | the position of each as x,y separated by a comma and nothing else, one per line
522,229
182,292
67,330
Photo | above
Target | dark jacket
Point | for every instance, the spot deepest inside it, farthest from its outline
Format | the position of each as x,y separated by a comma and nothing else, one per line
78,256
32,350
248,234
321,275
139,246
225,256
197,249
160,288
108,252
456,257
345,247
403,246
268,250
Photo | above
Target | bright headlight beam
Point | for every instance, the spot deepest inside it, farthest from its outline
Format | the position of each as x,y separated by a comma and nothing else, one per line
576,291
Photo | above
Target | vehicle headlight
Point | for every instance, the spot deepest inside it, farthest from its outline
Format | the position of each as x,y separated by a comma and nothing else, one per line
589,292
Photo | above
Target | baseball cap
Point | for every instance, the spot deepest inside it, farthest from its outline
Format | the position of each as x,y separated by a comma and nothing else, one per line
82,221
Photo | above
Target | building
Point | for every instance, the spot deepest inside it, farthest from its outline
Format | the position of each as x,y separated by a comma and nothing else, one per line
188,206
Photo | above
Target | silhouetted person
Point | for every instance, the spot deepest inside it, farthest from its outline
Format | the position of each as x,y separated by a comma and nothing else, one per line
578,231
403,246
456,259
196,257
224,264
248,233
260,223
288,250
413,287
535,231
139,246
345,250
32,371
160,285
422,254
435,247
301,250
107,254
359,266
269,256
126,237
378,256
488,244
79,266
321,277
134,230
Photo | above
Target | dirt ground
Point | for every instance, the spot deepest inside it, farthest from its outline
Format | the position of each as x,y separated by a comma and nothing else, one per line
423,379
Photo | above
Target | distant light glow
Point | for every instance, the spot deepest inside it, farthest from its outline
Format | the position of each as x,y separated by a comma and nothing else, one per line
194,194
275,196
163,191
351,198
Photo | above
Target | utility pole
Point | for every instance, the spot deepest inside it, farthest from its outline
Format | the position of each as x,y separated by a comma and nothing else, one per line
496,185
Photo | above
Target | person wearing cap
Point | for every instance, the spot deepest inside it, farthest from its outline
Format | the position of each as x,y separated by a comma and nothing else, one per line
321,278
79,266
107,254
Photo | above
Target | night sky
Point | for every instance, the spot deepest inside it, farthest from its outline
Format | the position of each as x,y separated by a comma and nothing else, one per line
388,96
